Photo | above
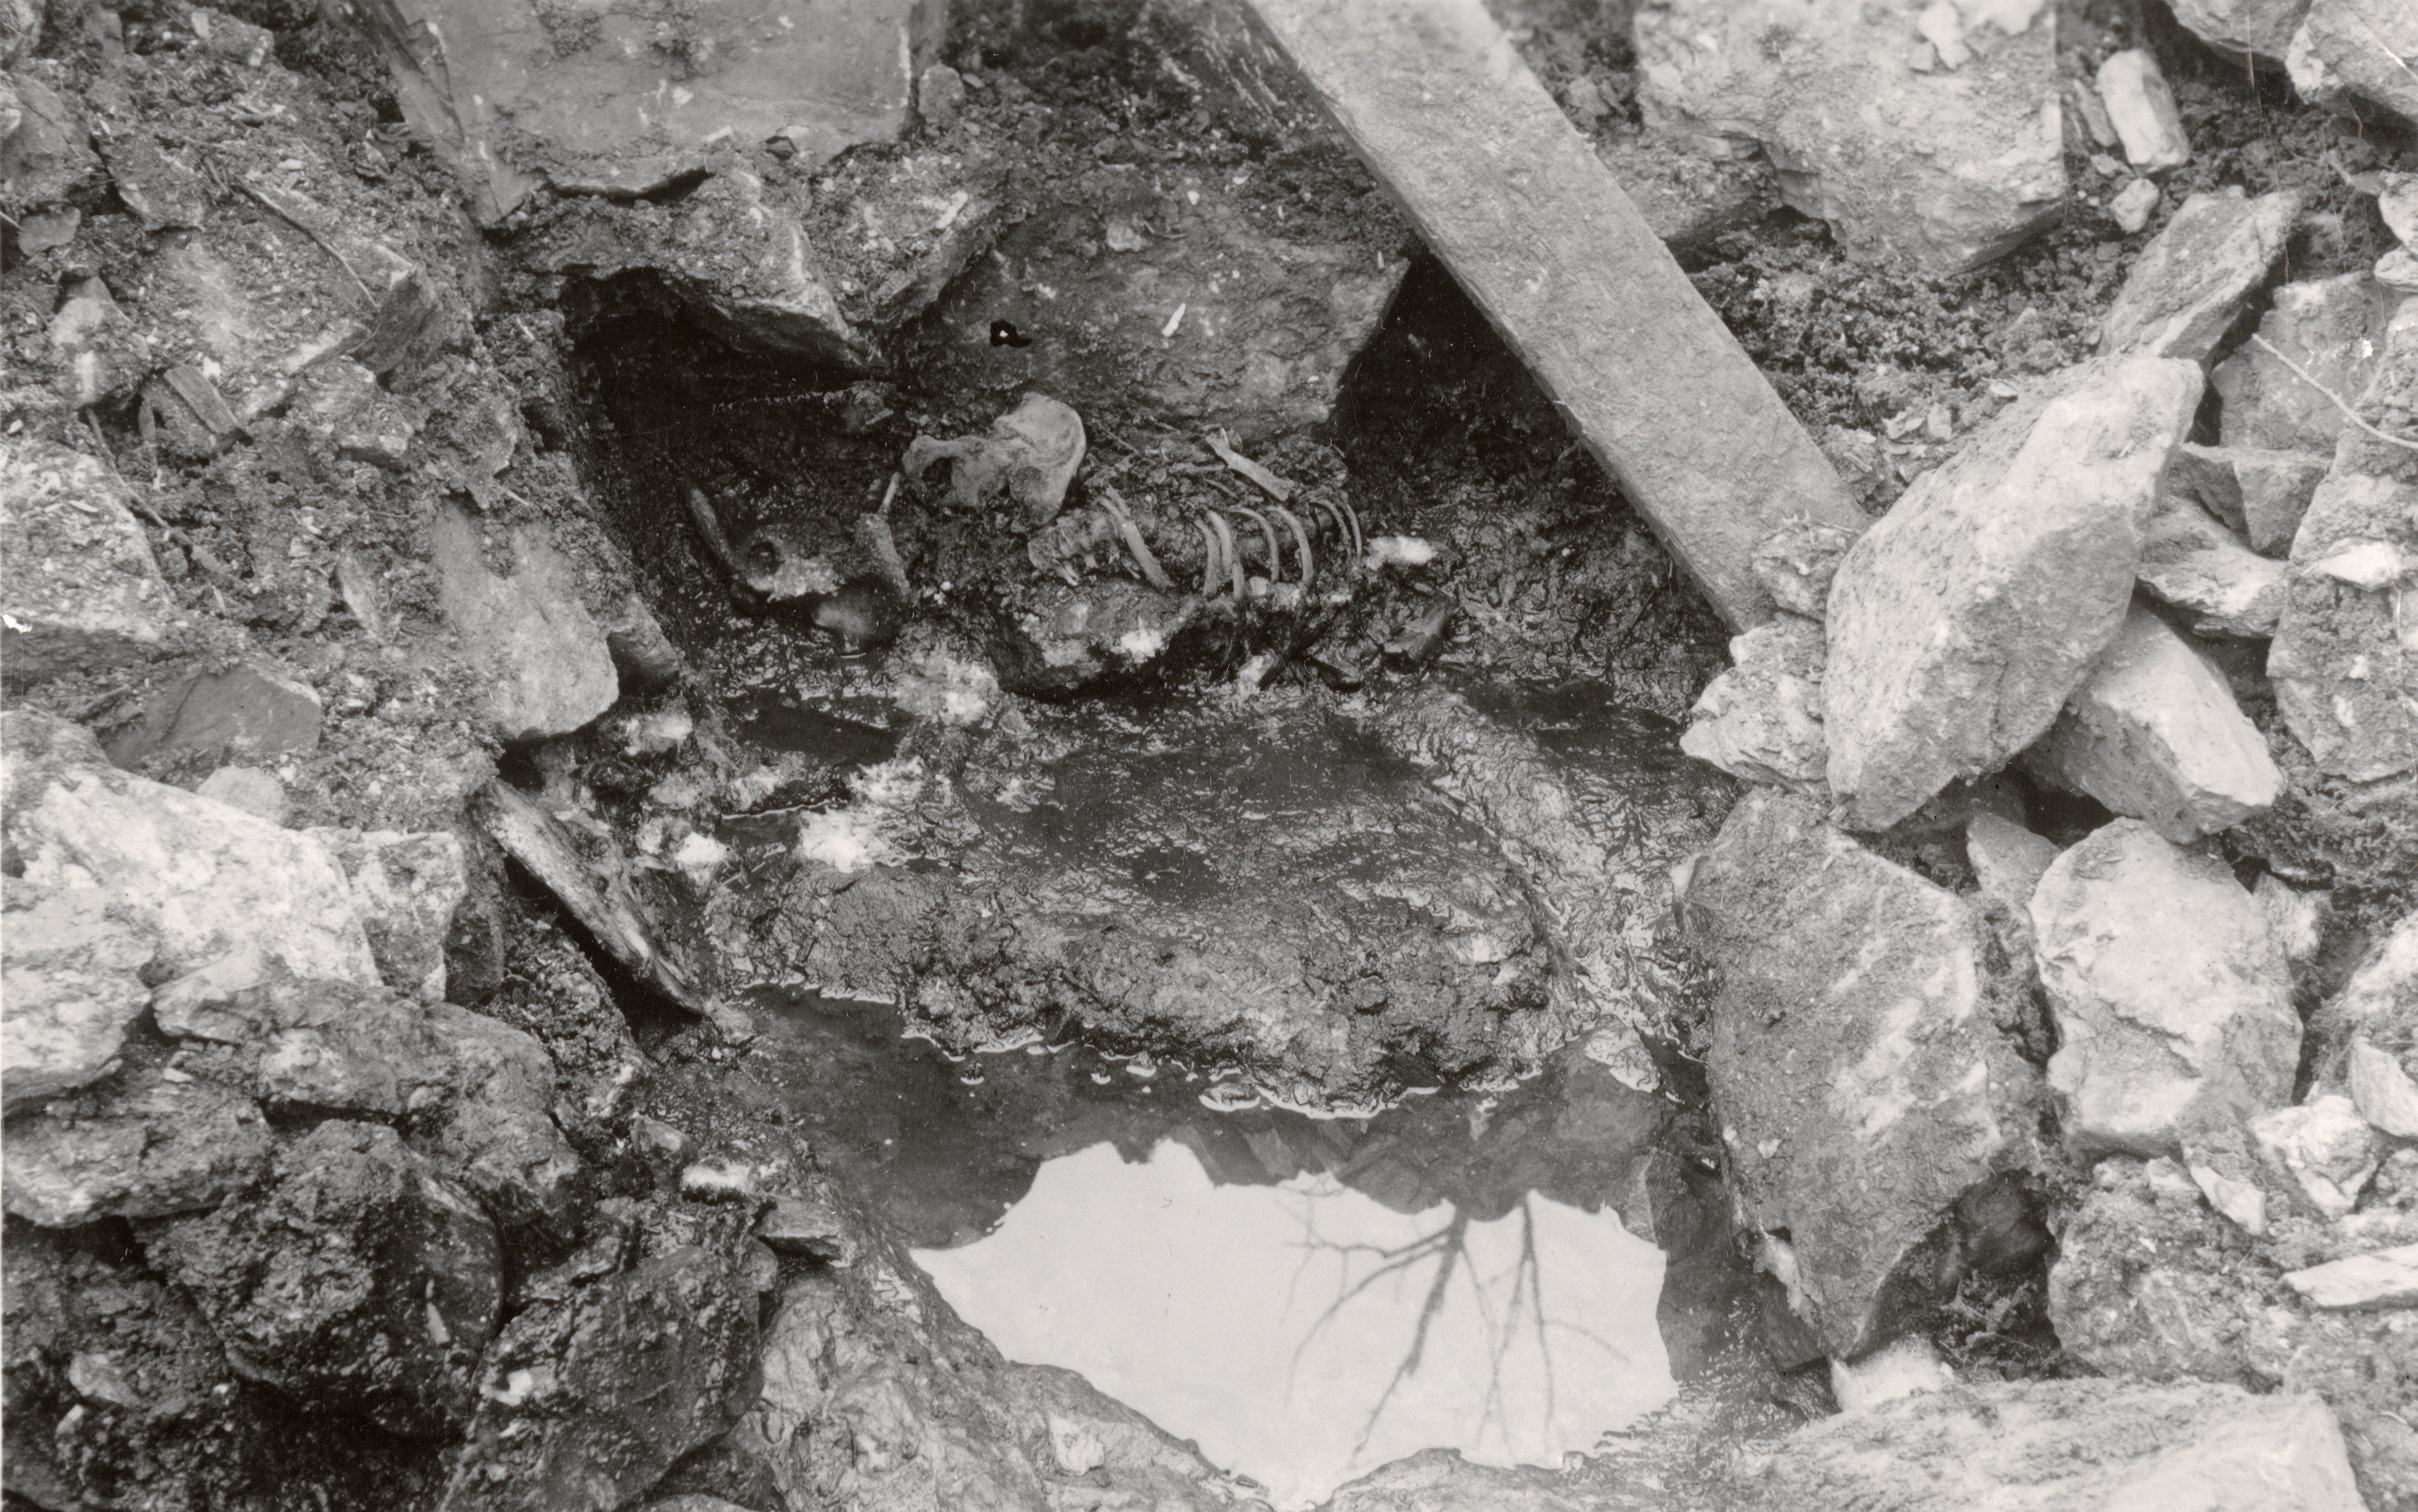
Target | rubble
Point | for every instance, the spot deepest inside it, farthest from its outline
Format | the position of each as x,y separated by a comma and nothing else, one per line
1945,163
142,1145
2154,734
2142,109
549,670
1796,563
1762,719
2190,280
77,579
1853,1031
1958,623
2170,998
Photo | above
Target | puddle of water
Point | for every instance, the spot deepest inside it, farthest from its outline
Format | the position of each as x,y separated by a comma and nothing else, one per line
1304,1333
1260,1280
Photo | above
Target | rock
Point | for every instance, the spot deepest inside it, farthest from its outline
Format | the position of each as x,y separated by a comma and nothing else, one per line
101,356
2142,109
642,653
1853,1032
2333,329
163,194
244,713
2006,859
46,156
2132,206
2398,270
1962,620
2296,919
206,878
2384,1091
2323,1149
939,94
1901,1368
2262,29
2191,561
2344,659
590,1395
1030,459
549,670
356,1281
2083,1446
73,989
256,793
2154,734
2149,1282
1944,169
341,407
2188,283
1795,564
735,253
2397,203
2172,1003
1762,719
77,579
512,93
1066,638
808,1226
142,1145
2364,46
2388,1278
2261,494
407,889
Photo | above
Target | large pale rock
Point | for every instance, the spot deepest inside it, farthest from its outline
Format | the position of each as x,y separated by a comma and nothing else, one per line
2189,282
2191,561
2333,330
405,1289
548,669
2065,1446
1929,134
2154,734
142,1145
2344,659
78,583
68,989
204,878
1860,1081
407,888
2261,28
2366,46
2171,1000
612,99
1961,623
1762,719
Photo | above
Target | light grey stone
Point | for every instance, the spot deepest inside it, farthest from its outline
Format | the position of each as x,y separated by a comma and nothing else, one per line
407,888
1762,719
2332,330
2189,282
2142,109
2388,1278
548,668
2322,1147
2225,589
68,989
78,585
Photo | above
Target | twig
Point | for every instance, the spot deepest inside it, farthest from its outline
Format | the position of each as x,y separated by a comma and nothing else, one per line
2303,373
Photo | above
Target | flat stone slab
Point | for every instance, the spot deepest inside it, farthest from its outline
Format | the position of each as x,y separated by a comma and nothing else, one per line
1506,191
77,582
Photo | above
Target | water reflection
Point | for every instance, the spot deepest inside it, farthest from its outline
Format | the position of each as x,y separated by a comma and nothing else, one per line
1305,1332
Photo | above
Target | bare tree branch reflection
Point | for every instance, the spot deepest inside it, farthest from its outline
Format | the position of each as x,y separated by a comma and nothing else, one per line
1448,1248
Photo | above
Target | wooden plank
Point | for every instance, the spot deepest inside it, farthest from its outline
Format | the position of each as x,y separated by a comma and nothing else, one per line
1505,190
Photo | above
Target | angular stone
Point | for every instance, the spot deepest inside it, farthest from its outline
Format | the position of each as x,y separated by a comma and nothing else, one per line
548,669
2366,46
1853,1033
206,878
2132,206
591,1396
46,156
1795,564
2388,1278
2172,1003
358,1279
1961,621
2260,494
407,889
2073,1446
2262,29
2008,860
2142,109
2398,270
2344,659
68,989
2382,1090
2189,282
2191,561
1762,719
2154,734
2397,203
2333,330
1944,169
243,714
78,584
810,1225
2322,1147
143,1145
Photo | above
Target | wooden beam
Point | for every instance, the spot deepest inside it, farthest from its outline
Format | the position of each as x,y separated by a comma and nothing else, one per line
1505,190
